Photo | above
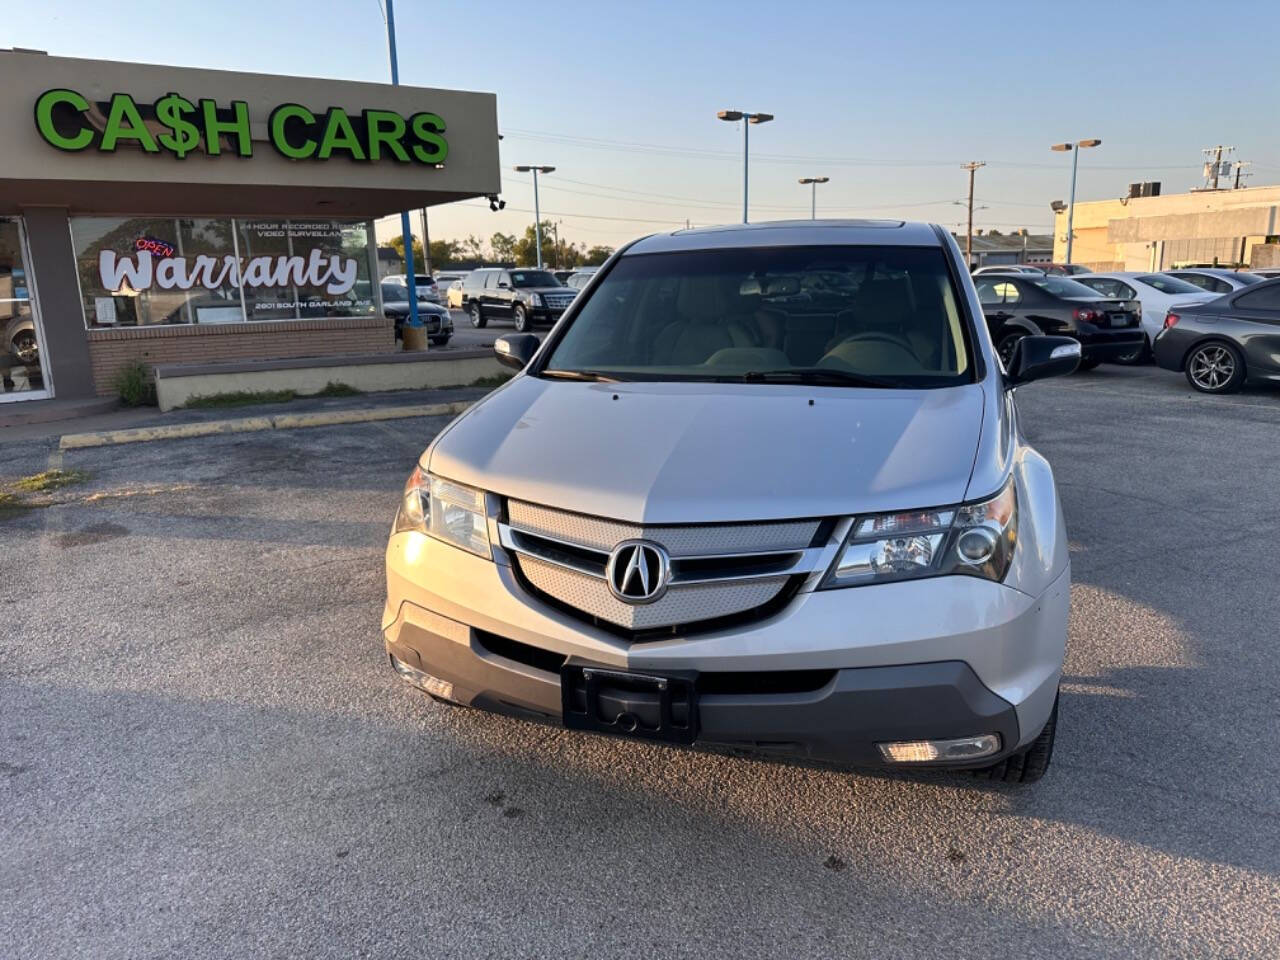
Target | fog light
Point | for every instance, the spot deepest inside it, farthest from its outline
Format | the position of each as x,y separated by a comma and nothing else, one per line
423,681
926,751
976,545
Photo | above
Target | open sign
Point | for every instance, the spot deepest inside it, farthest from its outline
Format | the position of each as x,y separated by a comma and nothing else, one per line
157,248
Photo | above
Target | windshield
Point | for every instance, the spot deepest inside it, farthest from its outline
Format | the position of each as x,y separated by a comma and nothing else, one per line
533,278
1170,284
1062,287
853,316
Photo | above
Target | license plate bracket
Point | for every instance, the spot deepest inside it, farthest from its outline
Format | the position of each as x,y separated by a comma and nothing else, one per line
624,703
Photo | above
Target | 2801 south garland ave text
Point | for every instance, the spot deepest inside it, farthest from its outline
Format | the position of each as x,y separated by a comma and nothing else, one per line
62,116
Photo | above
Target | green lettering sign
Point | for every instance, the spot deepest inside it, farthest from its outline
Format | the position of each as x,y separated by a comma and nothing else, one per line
180,127
125,123
45,105
294,149
237,126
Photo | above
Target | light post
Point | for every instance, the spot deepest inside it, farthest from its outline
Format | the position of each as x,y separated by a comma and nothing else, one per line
1075,149
406,232
813,193
733,116
537,217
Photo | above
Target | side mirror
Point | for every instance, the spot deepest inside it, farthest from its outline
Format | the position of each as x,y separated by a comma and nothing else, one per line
515,350
1035,358
503,285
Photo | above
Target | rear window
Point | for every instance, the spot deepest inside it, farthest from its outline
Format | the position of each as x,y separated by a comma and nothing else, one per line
1062,287
1169,284
888,313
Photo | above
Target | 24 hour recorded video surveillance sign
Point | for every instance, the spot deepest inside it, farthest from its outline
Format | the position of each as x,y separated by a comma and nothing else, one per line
179,127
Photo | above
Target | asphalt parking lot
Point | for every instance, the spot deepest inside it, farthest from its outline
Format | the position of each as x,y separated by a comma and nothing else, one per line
205,754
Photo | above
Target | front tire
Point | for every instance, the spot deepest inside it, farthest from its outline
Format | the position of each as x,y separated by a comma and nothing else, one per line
478,319
1215,367
520,316
1030,764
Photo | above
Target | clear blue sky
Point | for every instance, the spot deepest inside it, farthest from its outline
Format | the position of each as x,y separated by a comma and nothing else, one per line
887,99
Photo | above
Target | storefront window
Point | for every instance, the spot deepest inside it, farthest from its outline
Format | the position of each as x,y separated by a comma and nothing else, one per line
21,372
139,271
306,268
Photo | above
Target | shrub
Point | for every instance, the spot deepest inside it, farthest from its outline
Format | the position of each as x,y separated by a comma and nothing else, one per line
136,385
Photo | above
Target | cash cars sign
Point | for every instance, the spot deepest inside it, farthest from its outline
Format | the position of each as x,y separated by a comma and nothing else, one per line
178,126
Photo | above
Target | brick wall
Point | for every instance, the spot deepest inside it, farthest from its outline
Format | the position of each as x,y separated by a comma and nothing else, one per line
109,350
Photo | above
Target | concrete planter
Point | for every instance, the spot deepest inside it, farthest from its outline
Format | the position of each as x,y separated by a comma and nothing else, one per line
415,338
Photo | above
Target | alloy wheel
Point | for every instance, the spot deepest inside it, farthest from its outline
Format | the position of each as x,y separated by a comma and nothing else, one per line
24,346
1212,367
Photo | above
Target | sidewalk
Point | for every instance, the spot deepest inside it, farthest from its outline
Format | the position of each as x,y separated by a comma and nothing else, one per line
373,405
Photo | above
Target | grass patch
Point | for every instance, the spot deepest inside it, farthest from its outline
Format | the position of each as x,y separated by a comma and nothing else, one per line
10,503
239,398
49,480
332,389
493,380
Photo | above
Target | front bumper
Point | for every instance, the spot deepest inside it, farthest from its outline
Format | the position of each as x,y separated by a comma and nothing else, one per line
964,657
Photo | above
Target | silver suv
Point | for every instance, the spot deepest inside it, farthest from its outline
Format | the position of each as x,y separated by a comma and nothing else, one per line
762,487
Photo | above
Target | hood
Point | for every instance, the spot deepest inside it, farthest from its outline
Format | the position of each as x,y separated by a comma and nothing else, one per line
560,289
699,452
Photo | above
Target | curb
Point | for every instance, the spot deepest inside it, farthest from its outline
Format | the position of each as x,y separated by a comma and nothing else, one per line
285,421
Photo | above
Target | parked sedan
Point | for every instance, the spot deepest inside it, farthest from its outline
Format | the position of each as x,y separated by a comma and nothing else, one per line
1221,343
1020,305
1156,293
395,306
1215,279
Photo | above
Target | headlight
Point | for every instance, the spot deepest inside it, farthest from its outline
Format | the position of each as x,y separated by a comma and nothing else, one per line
975,539
446,510
539,300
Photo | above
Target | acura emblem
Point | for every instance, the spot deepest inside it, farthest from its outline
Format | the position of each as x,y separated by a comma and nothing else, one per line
638,571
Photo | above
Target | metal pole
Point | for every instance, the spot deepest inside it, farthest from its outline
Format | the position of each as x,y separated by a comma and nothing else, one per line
746,126
968,237
426,242
1071,209
813,200
406,232
537,218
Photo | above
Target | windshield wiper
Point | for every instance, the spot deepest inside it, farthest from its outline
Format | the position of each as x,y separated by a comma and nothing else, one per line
817,375
594,376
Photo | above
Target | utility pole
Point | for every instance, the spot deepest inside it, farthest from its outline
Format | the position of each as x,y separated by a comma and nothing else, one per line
426,242
406,232
1213,169
972,166
1240,174
555,231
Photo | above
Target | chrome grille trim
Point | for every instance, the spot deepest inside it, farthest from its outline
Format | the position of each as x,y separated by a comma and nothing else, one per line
564,555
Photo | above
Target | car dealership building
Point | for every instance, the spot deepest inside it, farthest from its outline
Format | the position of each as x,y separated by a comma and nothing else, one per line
170,216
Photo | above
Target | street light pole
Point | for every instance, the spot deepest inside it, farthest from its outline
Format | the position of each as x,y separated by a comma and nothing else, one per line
733,116
972,166
813,193
537,216
406,232
1071,202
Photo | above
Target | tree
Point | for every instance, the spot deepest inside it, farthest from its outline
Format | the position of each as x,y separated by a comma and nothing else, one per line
596,256
397,243
526,248
472,248
503,247
444,252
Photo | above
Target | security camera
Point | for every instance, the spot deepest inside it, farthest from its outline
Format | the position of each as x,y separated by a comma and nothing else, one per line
495,204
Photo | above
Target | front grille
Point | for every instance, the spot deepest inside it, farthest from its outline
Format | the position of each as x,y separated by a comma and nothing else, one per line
557,301
717,571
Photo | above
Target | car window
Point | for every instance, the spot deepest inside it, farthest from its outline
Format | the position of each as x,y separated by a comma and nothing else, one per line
987,294
474,281
533,278
890,314
394,293
1267,298
1103,285
1205,282
1170,285
492,280
1008,292
1062,287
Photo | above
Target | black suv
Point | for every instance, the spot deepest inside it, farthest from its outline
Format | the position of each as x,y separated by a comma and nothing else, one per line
1017,305
527,296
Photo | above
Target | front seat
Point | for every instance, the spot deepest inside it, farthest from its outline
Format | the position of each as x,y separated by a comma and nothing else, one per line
702,328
